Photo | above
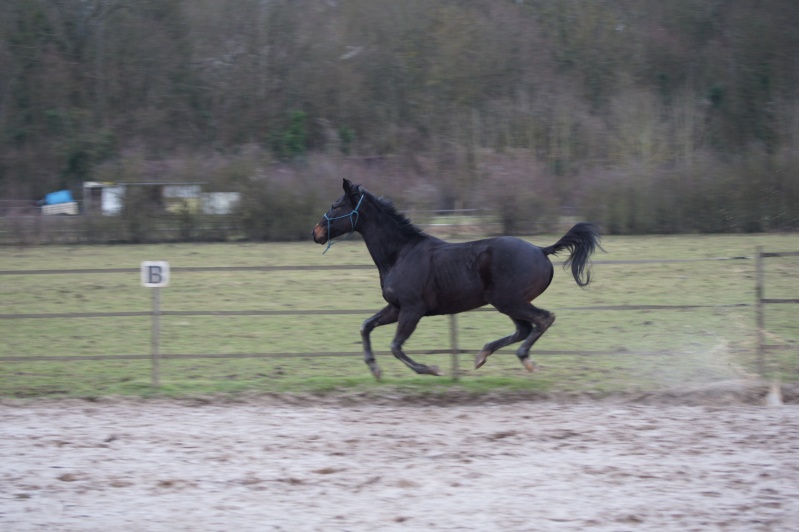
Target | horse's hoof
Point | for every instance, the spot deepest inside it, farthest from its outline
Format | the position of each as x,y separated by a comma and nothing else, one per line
434,370
529,365
480,359
377,372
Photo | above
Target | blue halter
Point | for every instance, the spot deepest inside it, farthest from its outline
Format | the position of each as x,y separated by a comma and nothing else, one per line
354,213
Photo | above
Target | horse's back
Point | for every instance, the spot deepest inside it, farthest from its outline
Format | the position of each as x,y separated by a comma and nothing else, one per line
498,258
455,277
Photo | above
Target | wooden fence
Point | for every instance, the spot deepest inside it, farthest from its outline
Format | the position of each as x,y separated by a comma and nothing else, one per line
453,349
761,301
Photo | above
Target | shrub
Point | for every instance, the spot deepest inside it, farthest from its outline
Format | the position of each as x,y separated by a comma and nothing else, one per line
274,211
520,194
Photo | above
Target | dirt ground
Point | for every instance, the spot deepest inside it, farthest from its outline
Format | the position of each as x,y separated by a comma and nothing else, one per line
398,464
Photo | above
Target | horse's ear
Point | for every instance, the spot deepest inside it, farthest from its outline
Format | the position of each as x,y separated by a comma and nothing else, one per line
351,189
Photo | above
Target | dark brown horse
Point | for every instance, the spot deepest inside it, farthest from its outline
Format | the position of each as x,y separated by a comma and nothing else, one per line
423,276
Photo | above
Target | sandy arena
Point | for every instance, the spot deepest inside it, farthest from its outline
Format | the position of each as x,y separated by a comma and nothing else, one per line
328,464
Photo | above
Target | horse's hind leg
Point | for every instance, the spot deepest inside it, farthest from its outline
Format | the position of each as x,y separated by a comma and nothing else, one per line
542,320
523,330
386,316
405,327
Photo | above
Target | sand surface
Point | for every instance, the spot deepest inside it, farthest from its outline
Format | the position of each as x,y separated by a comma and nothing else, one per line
264,465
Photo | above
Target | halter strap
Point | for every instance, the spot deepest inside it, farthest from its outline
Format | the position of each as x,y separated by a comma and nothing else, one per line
354,213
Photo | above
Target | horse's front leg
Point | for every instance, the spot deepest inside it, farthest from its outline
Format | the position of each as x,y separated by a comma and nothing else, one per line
386,316
407,324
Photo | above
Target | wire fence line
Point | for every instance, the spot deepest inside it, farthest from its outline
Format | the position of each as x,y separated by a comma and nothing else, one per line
759,303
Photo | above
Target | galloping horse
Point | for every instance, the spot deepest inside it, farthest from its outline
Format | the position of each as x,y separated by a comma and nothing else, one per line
421,275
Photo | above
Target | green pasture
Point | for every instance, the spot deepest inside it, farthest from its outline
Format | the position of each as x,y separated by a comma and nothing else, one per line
643,349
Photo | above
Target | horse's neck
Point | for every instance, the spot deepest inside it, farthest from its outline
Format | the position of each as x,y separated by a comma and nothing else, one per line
386,244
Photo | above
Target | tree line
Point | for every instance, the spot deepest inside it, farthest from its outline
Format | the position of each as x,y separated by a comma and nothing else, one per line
647,116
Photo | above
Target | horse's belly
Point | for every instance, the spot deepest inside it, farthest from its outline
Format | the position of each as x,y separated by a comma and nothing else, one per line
454,309
456,301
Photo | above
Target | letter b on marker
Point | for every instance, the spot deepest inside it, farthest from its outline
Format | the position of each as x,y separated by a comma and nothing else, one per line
154,274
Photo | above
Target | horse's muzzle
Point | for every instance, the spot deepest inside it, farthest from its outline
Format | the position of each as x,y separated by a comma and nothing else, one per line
319,234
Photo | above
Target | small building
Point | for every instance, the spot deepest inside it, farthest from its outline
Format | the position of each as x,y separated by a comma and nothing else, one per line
109,198
59,202
105,198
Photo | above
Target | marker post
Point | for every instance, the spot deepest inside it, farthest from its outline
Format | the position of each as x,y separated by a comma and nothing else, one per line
155,274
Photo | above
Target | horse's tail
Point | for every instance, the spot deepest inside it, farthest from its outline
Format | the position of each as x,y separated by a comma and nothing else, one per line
581,241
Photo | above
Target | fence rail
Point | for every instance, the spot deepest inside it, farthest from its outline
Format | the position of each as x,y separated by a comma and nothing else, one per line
189,269
320,354
133,314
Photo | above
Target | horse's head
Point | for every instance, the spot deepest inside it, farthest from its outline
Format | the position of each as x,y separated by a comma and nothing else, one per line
343,216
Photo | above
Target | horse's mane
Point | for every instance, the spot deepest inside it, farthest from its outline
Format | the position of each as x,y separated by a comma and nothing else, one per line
386,206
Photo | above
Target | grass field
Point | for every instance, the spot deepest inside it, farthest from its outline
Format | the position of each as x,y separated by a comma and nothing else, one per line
680,346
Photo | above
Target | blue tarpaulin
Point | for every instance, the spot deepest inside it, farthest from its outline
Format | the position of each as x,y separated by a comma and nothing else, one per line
54,198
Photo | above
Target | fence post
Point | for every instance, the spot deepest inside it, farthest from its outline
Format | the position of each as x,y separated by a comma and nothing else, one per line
155,338
759,319
154,275
453,337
